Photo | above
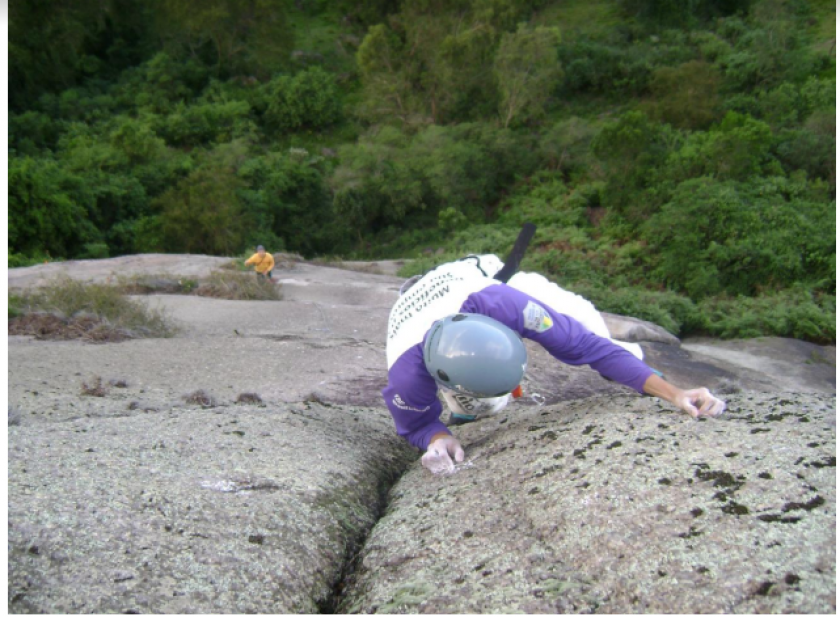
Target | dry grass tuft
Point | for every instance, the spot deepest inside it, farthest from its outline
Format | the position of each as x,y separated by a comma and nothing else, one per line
286,261
94,388
238,286
249,398
145,284
200,397
54,327
67,309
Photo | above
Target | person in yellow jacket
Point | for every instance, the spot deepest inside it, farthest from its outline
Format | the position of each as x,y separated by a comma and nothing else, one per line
263,262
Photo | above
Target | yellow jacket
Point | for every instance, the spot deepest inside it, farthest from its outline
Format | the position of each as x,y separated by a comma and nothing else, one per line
261,264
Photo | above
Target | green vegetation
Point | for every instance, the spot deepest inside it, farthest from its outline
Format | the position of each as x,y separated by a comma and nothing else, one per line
678,157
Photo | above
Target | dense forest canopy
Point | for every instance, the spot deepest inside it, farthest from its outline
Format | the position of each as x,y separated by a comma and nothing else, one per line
678,156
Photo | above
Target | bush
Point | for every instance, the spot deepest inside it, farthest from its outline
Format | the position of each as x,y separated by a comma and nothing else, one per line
565,146
811,148
288,205
310,99
17,260
236,286
142,284
203,213
738,148
796,313
48,209
547,202
67,308
676,313
603,69
687,95
191,125
630,148
390,178
744,239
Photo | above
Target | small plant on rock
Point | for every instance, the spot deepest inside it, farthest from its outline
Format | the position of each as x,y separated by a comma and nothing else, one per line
94,388
200,397
249,398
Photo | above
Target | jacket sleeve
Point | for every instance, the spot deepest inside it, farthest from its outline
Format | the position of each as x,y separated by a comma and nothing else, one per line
411,397
270,259
562,336
252,258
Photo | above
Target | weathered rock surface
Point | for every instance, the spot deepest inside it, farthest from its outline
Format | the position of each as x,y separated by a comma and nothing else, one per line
102,270
613,504
140,500
238,509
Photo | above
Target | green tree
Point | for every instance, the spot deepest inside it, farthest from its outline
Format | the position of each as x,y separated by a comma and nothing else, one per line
387,85
234,36
629,148
565,146
136,140
433,61
203,214
287,198
526,66
54,46
738,148
391,178
681,13
686,96
769,48
48,209
309,100
742,238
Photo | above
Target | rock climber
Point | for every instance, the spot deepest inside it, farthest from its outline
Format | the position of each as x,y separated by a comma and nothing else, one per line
263,262
459,330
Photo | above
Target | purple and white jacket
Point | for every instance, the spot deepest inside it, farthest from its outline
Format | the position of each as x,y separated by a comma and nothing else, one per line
566,325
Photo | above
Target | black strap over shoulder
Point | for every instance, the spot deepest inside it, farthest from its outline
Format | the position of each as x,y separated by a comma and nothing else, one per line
517,253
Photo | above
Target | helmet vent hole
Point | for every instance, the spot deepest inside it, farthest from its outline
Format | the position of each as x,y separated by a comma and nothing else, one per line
443,375
459,318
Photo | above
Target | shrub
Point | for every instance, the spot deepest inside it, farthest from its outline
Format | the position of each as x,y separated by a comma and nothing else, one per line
744,238
249,398
206,122
604,69
687,95
630,147
66,308
200,397
796,313
565,146
310,99
203,213
48,208
238,286
142,284
94,388
676,313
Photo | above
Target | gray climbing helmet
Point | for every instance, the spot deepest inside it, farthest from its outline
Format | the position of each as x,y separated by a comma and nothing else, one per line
475,354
